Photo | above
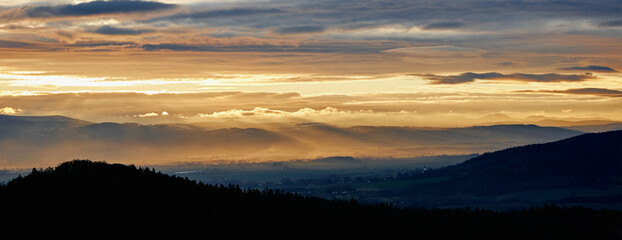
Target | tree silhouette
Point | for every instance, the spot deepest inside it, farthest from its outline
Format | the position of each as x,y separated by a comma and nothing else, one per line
96,196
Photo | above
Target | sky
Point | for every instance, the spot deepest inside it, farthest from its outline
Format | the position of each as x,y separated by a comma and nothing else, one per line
347,62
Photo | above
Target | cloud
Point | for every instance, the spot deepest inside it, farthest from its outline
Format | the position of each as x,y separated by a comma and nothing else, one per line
9,110
613,23
87,9
102,44
151,114
525,77
443,25
178,47
18,44
416,108
586,91
494,28
225,13
266,112
67,36
258,111
594,68
300,29
505,64
110,30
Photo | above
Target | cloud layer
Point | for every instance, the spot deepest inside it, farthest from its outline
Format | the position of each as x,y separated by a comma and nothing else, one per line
589,91
471,77
244,109
406,62
109,30
594,68
87,9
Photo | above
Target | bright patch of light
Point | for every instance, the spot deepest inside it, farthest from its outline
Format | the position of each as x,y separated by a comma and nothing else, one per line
151,114
9,110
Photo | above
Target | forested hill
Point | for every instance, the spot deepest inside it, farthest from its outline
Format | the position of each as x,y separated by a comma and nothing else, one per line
591,160
100,197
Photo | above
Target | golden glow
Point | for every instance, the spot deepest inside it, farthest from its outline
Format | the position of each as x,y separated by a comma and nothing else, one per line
222,64
283,66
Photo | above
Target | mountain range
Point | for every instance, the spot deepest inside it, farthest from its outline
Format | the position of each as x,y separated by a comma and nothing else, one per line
27,141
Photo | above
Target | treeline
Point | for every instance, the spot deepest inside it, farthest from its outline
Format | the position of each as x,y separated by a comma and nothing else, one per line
100,197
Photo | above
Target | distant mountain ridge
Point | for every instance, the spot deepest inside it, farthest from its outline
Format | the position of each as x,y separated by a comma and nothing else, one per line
559,170
39,122
41,141
603,124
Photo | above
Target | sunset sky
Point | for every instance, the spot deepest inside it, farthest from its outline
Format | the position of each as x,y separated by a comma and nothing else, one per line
348,62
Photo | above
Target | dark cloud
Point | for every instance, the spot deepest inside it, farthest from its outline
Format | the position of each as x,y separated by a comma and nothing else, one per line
614,23
471,77
224,34
66,34
15,44
586,91
300,29
443,25
594,68
100,43
175,47
593,91
109,30
236,12
90,8
505,64
357,14
553,7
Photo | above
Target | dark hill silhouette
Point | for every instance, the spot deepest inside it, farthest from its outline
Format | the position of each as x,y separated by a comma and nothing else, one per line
589,161
98,198
597,128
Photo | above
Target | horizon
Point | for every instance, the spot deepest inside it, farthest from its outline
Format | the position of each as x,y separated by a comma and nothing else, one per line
487,120
32,141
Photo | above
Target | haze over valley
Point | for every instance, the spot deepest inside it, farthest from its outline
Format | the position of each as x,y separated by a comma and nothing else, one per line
28,142
313,119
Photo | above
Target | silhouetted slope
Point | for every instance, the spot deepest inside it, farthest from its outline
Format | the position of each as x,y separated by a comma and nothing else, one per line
597,128
591,161
97,197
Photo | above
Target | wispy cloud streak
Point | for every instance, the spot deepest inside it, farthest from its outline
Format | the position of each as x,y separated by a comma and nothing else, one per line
525,77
